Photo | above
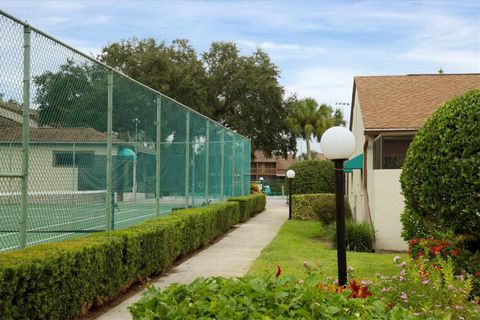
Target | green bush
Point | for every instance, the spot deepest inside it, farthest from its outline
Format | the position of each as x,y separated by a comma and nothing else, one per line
313,176
257,298
360,237
64,280
317,207
250,205
58,281
325,209
441,178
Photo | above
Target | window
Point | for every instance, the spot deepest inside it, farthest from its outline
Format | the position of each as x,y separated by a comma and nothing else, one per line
389,152
70,159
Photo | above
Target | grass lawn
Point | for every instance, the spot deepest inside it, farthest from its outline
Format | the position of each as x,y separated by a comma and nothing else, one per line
300,241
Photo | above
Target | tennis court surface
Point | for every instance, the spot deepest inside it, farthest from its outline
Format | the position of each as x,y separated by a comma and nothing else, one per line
58,216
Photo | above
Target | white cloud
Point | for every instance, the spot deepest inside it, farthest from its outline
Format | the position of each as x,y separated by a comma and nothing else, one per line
325,84
283,47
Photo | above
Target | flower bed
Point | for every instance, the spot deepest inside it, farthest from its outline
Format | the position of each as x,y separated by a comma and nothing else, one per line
423,289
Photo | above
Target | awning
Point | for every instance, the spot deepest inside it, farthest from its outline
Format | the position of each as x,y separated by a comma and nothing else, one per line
126,152
354,163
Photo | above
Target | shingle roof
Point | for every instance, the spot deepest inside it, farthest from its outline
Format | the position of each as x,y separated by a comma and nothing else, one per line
15,107
86,135
405,102
67,135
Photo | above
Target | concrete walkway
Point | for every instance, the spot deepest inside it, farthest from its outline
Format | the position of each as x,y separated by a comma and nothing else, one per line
230,257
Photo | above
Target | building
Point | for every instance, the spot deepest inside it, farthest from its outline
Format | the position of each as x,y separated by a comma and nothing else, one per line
68,159
386,112
270,168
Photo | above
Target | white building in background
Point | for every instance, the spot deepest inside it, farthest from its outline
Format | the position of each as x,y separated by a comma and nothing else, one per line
386,112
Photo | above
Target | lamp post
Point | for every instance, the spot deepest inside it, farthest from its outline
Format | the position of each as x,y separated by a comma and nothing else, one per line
290,176
261,182
338,144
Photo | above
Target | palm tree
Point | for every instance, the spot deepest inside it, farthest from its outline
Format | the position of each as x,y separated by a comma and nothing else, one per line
308,119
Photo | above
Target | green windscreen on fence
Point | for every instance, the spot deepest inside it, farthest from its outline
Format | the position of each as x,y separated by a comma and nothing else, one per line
98,150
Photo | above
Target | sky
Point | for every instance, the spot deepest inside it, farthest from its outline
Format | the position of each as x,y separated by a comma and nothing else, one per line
319,46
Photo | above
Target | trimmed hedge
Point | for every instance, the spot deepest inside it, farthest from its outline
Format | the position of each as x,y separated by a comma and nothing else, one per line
440,176
317,207
65,279
250,205
313,176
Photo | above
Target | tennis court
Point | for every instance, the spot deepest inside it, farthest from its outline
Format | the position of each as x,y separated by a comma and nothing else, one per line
85,148
76,214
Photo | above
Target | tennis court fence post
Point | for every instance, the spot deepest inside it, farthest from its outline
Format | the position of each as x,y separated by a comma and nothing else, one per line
207,160
108,200
157,160
233,166
242,176
187,157
25,136
222,164
112,205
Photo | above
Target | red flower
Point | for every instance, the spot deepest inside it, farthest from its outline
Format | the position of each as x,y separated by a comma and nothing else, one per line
436,249
358,290
279,271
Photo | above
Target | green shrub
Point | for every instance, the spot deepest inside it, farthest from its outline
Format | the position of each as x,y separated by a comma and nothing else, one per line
317,207
250,205
441,178
325,209
58,281
257,298
360,237
63,280
313,176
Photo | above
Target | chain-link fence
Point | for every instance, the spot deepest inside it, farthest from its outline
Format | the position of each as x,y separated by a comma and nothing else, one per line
84,148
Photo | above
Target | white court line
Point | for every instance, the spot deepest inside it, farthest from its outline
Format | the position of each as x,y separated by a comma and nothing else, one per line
56,225
50,238
70,233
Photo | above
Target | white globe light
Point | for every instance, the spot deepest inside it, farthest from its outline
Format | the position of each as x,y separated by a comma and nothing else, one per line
290,174
261,178
337,143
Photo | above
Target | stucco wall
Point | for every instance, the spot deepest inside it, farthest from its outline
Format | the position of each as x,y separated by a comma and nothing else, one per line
355,179
386,205
384,197
43,175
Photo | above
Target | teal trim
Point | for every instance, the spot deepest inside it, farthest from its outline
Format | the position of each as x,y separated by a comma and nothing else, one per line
354,163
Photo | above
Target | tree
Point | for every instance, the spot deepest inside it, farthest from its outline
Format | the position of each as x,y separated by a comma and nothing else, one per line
310,120
240,92
304,155
74,96
175,69
245,95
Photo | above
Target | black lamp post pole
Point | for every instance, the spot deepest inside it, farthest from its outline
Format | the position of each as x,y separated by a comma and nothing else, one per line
289,198
341,243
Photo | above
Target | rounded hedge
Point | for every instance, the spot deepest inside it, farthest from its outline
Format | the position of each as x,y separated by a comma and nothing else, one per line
313,176
440,177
